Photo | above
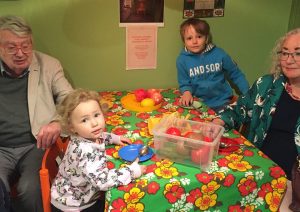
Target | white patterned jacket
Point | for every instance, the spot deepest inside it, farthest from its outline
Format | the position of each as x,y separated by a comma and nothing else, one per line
83,173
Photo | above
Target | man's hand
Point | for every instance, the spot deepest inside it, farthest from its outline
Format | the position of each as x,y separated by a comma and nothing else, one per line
186,99
48,134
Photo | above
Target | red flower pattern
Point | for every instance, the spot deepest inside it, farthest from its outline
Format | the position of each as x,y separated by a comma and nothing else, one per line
110,165
153,187
193,195
118,205
109,114
110,151
126,114
142,124
151,168
276,172
223,162
247,187
235,208
264,189
248,153
126,188
204,177
143,116
120,131
174,194
229,180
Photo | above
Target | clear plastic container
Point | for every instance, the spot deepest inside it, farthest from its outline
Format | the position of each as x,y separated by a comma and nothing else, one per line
197,144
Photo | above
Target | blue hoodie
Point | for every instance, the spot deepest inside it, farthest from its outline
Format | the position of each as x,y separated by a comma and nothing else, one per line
203,75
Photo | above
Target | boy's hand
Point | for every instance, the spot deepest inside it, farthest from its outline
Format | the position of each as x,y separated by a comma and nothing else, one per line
186,99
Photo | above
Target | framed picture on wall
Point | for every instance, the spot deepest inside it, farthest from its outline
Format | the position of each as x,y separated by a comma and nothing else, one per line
144,12
203,8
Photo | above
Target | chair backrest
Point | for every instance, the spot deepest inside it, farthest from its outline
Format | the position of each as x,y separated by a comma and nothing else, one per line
233,99
49,169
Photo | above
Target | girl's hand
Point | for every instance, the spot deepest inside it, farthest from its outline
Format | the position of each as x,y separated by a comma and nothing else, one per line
138,170
124,140
143,169
186,99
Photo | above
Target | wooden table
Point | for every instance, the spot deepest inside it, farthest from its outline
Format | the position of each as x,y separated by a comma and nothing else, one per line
242,179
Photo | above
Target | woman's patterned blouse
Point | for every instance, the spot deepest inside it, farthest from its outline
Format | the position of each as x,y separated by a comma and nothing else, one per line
256,108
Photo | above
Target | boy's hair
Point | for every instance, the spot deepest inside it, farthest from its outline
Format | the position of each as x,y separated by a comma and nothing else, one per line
201,27
71,101
275,66
15,24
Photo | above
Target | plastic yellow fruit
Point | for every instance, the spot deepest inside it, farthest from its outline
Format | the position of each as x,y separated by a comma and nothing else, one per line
151,123
148,102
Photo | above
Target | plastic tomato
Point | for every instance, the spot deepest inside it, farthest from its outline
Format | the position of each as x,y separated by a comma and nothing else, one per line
157,98
201,155
152,91
173,131
207,139
140,94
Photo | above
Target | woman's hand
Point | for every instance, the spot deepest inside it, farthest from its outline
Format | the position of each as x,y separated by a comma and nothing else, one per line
186,99
218,121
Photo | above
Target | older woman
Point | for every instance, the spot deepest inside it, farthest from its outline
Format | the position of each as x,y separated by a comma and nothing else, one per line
271,107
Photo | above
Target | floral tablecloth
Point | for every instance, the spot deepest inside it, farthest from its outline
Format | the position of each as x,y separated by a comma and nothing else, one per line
240,180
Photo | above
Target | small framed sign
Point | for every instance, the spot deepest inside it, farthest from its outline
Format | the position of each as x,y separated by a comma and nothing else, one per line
141,12
203,8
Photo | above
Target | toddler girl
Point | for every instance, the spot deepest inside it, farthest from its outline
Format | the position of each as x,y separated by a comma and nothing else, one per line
83,173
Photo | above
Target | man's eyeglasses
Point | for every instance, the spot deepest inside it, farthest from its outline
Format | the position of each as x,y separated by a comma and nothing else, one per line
12,49
285,55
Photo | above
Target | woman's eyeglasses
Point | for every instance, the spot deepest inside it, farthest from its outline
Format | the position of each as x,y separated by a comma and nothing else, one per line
285,55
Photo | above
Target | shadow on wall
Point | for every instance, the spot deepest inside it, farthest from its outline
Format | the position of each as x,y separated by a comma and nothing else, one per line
90,23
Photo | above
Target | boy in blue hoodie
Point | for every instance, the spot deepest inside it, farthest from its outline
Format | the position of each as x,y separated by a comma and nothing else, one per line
202,67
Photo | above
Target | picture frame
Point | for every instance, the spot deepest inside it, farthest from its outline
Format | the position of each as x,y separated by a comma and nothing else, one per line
145,12
203,8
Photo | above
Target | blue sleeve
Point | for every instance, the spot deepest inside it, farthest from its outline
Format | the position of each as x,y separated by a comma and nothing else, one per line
235,74
183,78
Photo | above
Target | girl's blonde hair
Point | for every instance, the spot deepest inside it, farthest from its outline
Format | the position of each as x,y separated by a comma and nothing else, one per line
275,66
71,101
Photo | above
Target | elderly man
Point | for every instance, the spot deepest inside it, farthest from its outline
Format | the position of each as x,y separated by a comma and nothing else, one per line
31,84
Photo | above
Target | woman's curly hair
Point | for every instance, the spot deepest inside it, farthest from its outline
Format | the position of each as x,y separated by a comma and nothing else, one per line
275,65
